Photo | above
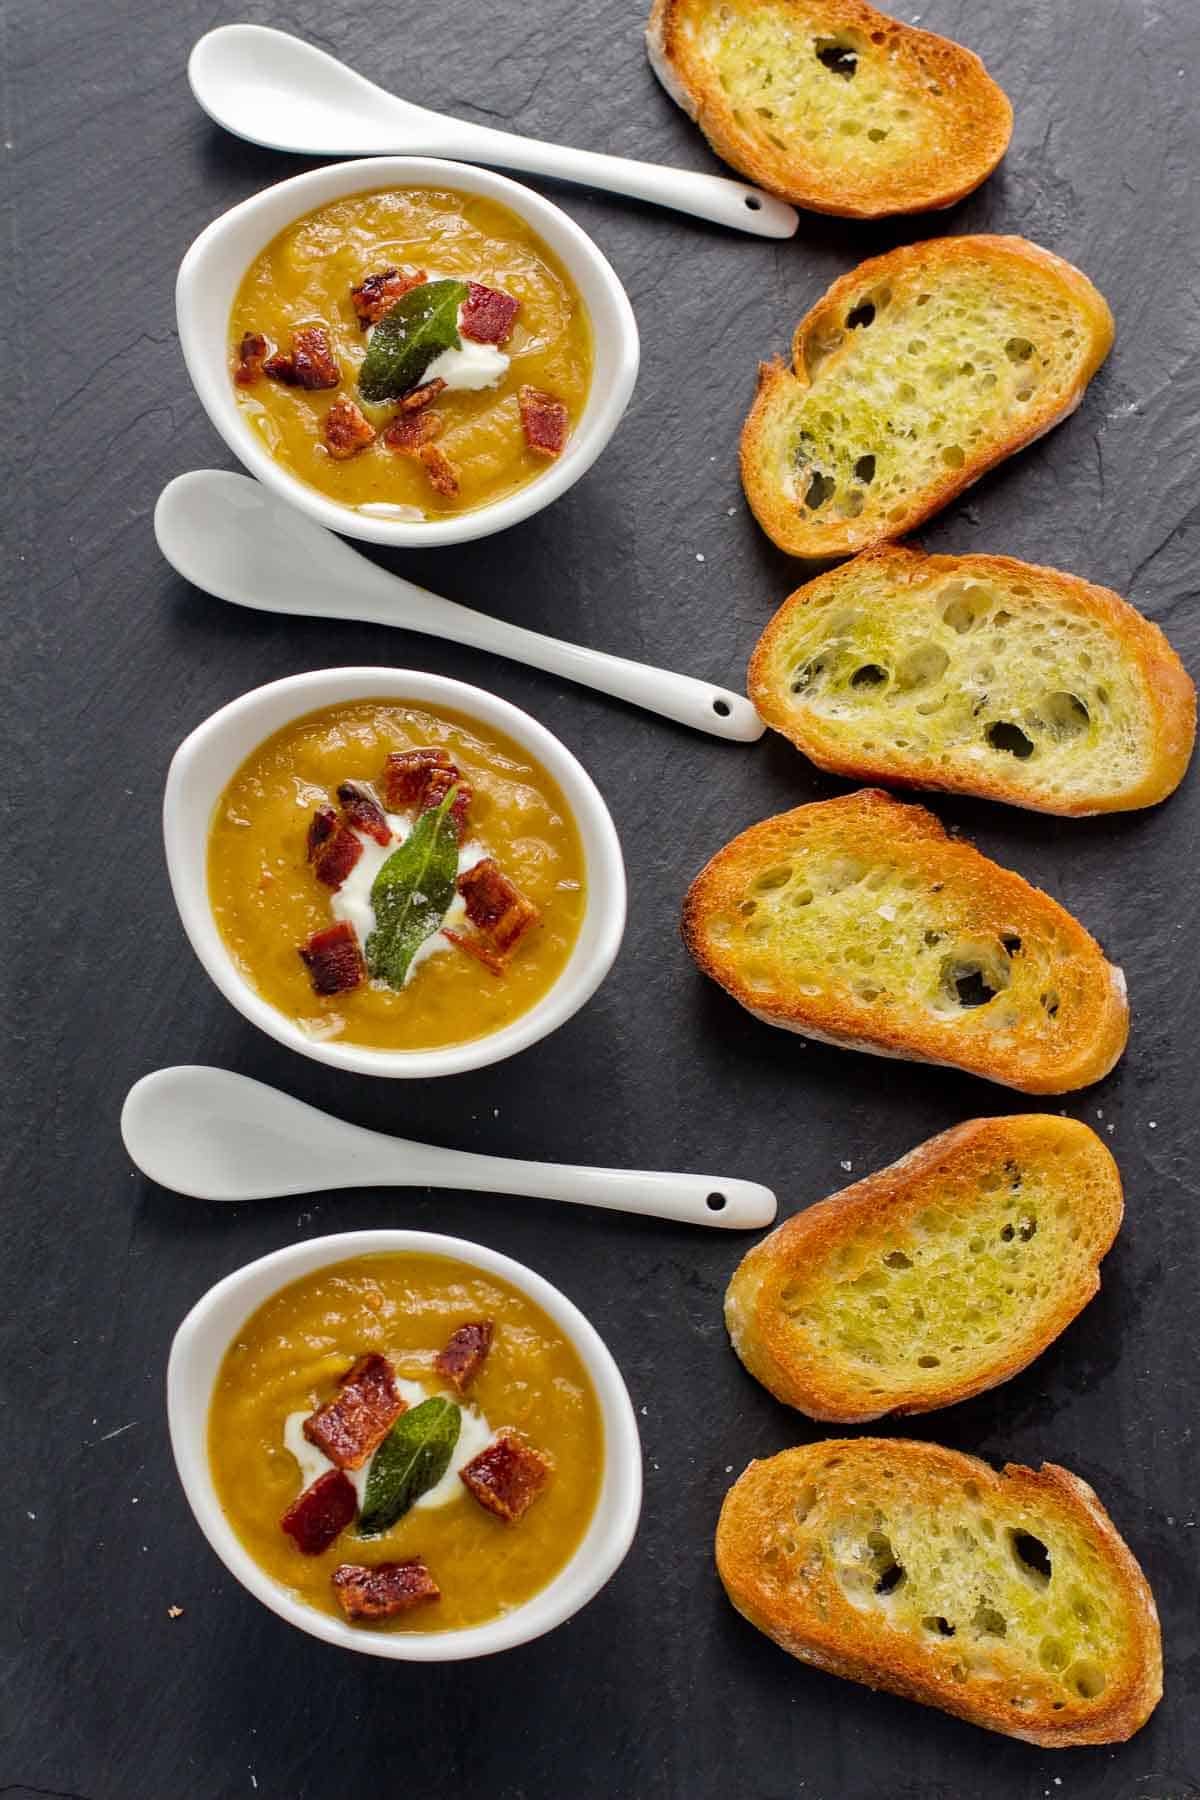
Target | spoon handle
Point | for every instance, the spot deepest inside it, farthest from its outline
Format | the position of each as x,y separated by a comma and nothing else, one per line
231,537
714,1200
714,197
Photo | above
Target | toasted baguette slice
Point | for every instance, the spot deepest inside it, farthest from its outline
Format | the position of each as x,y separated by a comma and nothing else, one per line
981,675
831,104
935,1278
1008,1599
858,921
916,373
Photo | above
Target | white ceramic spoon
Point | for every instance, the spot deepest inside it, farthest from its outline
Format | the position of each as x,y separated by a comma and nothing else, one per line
275,89
219,1136
229,536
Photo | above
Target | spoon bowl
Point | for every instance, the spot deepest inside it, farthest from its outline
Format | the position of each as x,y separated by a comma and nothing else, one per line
276,90
214,1135
229,536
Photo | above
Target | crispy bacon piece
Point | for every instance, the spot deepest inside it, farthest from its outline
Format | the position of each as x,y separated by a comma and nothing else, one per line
321,1512
465,1353
386,1589
421,397
310,363
409,431
349,1428
438,785
361,809
543,420
405,774
488,314
252,354
443,476
507,1477
377,294
334,959
346,429
474,946
496,905
333,848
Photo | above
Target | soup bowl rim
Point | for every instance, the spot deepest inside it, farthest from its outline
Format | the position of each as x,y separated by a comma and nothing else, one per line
216,262
196,1356
209,757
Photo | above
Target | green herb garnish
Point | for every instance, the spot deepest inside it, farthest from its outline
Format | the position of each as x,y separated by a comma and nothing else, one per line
422,324
412,892
412,1458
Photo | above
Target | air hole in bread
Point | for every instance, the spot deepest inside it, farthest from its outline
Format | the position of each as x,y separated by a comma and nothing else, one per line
942,1627
870,675
1031,1556
1053,1655
805,1501
896,1259
1011,942
1051,1003
888,1572
861,315
963,607
1018,350
1087,1678
954,456
776,877
864,469
988,1622
1065,714
968,984
839,59
921,667
1027,1228
876,134
821,488
1003,735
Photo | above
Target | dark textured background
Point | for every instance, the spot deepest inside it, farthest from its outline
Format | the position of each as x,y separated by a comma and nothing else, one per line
657,1689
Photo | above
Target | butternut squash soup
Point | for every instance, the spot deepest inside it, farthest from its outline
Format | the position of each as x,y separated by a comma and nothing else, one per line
406,1441
394,877
412,352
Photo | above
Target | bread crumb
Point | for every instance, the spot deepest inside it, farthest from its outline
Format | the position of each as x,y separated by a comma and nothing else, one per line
847,1165
699,556
174,1612
1154,1124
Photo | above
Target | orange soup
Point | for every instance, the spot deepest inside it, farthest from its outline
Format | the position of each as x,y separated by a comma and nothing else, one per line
466,392
390,876
474,1536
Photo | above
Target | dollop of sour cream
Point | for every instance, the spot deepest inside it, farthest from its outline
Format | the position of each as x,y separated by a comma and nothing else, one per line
475,1434
352,901
471,367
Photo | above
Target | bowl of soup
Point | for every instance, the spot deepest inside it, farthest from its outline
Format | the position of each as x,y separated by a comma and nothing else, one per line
405,1444
412,351
392,872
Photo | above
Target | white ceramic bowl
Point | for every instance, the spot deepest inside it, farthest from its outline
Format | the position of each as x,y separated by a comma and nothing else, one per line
212,271
206,762
196,1356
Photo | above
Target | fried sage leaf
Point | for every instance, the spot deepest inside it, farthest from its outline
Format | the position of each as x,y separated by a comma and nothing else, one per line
412,1458
412,893
422,324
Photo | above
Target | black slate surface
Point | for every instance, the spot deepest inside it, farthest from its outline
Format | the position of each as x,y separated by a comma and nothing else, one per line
657,1689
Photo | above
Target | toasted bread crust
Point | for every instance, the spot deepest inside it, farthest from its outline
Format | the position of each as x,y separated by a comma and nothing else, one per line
811,1618
780,519
1038,1057
1168,691
801,1258
927,180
